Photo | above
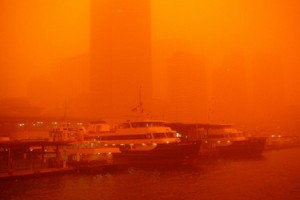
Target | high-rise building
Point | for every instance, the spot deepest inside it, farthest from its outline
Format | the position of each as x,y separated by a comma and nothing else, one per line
187,86
120,56
229,98
268,89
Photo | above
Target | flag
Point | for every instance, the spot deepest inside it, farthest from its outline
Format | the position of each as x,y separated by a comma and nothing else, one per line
134,109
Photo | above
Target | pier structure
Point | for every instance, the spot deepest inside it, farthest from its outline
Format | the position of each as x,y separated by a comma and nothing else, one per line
31,157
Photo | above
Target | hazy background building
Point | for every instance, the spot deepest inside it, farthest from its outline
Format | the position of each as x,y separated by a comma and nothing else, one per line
187,86
120,56
229,90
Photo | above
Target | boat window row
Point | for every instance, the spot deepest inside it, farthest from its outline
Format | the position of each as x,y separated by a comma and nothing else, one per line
230,135
139,136
141,124
126,137
146,124
85,145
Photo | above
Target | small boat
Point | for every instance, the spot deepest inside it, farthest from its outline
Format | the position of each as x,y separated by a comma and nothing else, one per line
90,154
144,142
79,153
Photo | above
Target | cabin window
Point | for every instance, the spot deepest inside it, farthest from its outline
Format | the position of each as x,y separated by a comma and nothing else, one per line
148,136
159,135
136,124
216,136
146,124
126,137
232,135
171,135
125,125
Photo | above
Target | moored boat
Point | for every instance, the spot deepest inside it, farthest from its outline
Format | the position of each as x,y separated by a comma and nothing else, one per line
221,140
80,153
282,141
145,142
230,142
90,154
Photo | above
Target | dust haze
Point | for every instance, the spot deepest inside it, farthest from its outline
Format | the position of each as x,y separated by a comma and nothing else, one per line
214,61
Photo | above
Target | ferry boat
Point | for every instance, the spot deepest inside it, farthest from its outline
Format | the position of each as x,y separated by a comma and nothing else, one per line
221,140
228,141
282,141
80,153
89,154
144,142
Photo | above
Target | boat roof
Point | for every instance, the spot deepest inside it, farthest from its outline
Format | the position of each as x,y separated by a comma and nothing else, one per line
145,120
198,125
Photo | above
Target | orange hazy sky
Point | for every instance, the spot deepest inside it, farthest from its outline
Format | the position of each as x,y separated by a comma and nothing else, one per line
222,38
36,35
214,29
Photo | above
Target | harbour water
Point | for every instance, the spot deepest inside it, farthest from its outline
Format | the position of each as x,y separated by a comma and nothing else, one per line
275,175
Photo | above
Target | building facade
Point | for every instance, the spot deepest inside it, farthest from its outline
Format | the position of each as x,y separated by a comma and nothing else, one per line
120,48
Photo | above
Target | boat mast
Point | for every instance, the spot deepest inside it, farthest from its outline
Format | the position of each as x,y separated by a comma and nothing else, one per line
140,107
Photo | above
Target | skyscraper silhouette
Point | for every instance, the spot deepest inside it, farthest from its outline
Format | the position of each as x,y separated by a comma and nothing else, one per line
120,56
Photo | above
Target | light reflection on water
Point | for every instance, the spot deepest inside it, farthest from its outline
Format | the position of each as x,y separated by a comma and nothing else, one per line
276,175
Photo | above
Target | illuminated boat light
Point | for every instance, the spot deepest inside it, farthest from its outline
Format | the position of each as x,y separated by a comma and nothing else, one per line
178,135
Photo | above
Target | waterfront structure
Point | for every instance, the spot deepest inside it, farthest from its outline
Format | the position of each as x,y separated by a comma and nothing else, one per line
21,158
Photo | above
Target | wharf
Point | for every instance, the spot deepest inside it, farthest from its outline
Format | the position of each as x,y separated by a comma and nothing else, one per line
21,158
33,158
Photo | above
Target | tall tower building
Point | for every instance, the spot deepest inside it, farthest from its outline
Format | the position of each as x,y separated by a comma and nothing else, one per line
268,89
120,56
187,88
230,90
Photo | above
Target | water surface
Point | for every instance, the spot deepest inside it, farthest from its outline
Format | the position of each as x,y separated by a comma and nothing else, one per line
275,175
